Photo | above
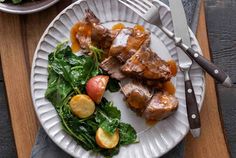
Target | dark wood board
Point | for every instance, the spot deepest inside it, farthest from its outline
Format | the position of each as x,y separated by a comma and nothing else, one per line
227,106
7,144
221,24
1,75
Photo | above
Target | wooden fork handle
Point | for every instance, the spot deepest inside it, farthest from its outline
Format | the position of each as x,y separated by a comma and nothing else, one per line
192,107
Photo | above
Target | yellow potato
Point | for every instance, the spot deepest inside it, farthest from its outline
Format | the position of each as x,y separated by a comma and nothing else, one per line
105,140
82,105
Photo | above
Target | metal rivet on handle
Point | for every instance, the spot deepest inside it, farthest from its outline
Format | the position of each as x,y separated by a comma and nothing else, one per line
195,55
189,90
216,71
193,116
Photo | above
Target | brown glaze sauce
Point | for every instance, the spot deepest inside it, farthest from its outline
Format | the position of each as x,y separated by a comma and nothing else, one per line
139,28
151,122
173,67
118,26
73,32
80,28
169,87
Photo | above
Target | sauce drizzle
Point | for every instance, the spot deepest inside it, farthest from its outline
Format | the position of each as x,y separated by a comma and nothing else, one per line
73,32
139,28
118,26
173,67
79,29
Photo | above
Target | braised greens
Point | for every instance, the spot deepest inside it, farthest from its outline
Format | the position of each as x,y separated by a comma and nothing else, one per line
67,76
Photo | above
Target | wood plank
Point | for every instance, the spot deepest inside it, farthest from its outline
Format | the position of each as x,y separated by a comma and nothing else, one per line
17,49
211,143
221,24
16,78
31,33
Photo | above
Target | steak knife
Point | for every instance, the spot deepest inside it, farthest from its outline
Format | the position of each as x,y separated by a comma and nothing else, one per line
181,30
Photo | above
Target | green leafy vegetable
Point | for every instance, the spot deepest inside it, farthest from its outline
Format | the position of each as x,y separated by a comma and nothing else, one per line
67,77
75,70
96,52
127,134
113,85
106,109
110,125
82,130
108,116
16,1
110,152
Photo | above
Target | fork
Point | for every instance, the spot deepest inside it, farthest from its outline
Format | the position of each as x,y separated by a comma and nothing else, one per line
150,13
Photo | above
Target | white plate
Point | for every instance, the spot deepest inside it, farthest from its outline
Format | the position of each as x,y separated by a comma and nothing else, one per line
154,141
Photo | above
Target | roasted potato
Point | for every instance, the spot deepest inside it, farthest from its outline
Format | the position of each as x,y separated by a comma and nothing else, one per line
96,87
105,140
82,105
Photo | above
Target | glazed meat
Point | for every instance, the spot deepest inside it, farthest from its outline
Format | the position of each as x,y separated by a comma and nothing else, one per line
92,32
91,18
127,42
137,95
129,59
81,34
112,66
101,37
160,106
147,65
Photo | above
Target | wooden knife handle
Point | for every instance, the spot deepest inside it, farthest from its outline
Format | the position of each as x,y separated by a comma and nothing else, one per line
192,107
210,68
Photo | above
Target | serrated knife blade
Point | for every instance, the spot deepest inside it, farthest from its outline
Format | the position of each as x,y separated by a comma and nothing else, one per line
181,30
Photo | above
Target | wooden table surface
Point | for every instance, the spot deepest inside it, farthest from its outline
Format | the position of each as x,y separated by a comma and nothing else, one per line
19,38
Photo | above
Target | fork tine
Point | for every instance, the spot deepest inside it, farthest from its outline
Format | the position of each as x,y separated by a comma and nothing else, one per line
130,3
133,7
144,3
148,2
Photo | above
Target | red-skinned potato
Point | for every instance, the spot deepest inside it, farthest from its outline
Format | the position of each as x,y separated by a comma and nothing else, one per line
96,87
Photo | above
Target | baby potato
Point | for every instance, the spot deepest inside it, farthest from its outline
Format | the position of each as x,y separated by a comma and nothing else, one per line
96,87
82,105
105,140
